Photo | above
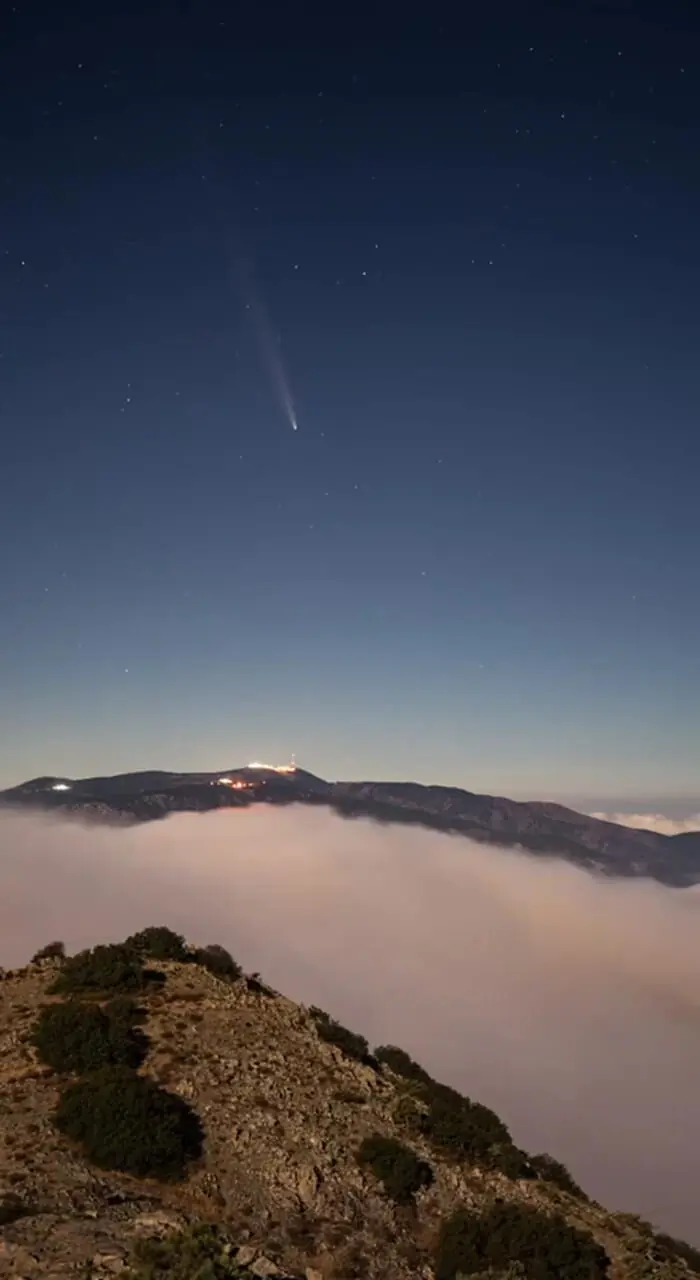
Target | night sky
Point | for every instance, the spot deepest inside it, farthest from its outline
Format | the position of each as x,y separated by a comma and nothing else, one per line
461,256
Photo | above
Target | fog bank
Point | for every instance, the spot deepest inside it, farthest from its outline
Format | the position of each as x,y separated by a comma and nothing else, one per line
568,1003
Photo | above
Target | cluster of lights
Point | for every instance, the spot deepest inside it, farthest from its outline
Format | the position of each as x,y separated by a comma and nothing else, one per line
238,784
273,768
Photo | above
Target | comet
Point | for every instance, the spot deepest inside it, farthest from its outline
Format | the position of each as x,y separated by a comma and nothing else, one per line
272,358
268,346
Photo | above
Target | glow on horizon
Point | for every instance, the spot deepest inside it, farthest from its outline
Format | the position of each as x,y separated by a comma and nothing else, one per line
274,768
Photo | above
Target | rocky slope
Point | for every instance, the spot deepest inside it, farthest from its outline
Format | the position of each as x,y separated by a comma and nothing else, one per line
540,828
283,1114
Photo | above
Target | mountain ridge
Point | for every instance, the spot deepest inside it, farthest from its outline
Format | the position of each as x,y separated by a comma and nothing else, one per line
287,1102
540,827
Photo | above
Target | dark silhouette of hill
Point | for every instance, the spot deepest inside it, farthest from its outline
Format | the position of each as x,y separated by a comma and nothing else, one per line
540,827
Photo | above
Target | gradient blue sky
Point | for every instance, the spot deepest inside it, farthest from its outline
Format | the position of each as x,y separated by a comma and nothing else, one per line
476,242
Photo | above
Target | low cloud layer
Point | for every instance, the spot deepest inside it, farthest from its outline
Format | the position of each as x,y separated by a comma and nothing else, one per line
653,822
568,1003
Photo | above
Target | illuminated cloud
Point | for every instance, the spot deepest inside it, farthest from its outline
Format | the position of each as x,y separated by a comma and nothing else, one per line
653,822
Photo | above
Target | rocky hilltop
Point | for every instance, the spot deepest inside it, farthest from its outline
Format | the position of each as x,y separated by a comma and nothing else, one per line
171,1117
541,828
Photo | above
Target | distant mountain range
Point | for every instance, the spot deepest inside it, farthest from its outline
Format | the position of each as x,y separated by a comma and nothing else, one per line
541,828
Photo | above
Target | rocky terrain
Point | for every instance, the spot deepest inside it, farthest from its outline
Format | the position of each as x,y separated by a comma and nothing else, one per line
285,1099
541,828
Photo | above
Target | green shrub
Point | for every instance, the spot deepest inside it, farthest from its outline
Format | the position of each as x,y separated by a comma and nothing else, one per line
668,1249
107,968
514,1271
12,1208
398,1168
349,1042
218,961
201,1251
157,942
511,1161
545,1166
124,1011
467,1130
258,987
408,1115
398,1061
547,1247
460,1127
127,1122
79,1038
52,951
506,1158
456,1122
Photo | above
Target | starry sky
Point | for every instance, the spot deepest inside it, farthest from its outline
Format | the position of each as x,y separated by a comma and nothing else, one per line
350,391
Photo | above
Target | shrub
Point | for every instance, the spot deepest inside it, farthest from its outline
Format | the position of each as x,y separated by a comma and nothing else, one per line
398,1168
258,987
123,1011
398,1061
547,1247
127,1122
12,1208
218,961
669,1249
469,1131
107,968
349,1042
511,1161
514,1271
83,1037
52,951
159,943
408,1115
201,1251
545,1166
460,1126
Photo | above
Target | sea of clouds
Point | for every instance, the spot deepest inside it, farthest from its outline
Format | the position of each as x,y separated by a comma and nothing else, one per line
567,1002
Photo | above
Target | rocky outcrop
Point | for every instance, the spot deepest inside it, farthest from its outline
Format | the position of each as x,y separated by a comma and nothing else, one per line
283,1113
